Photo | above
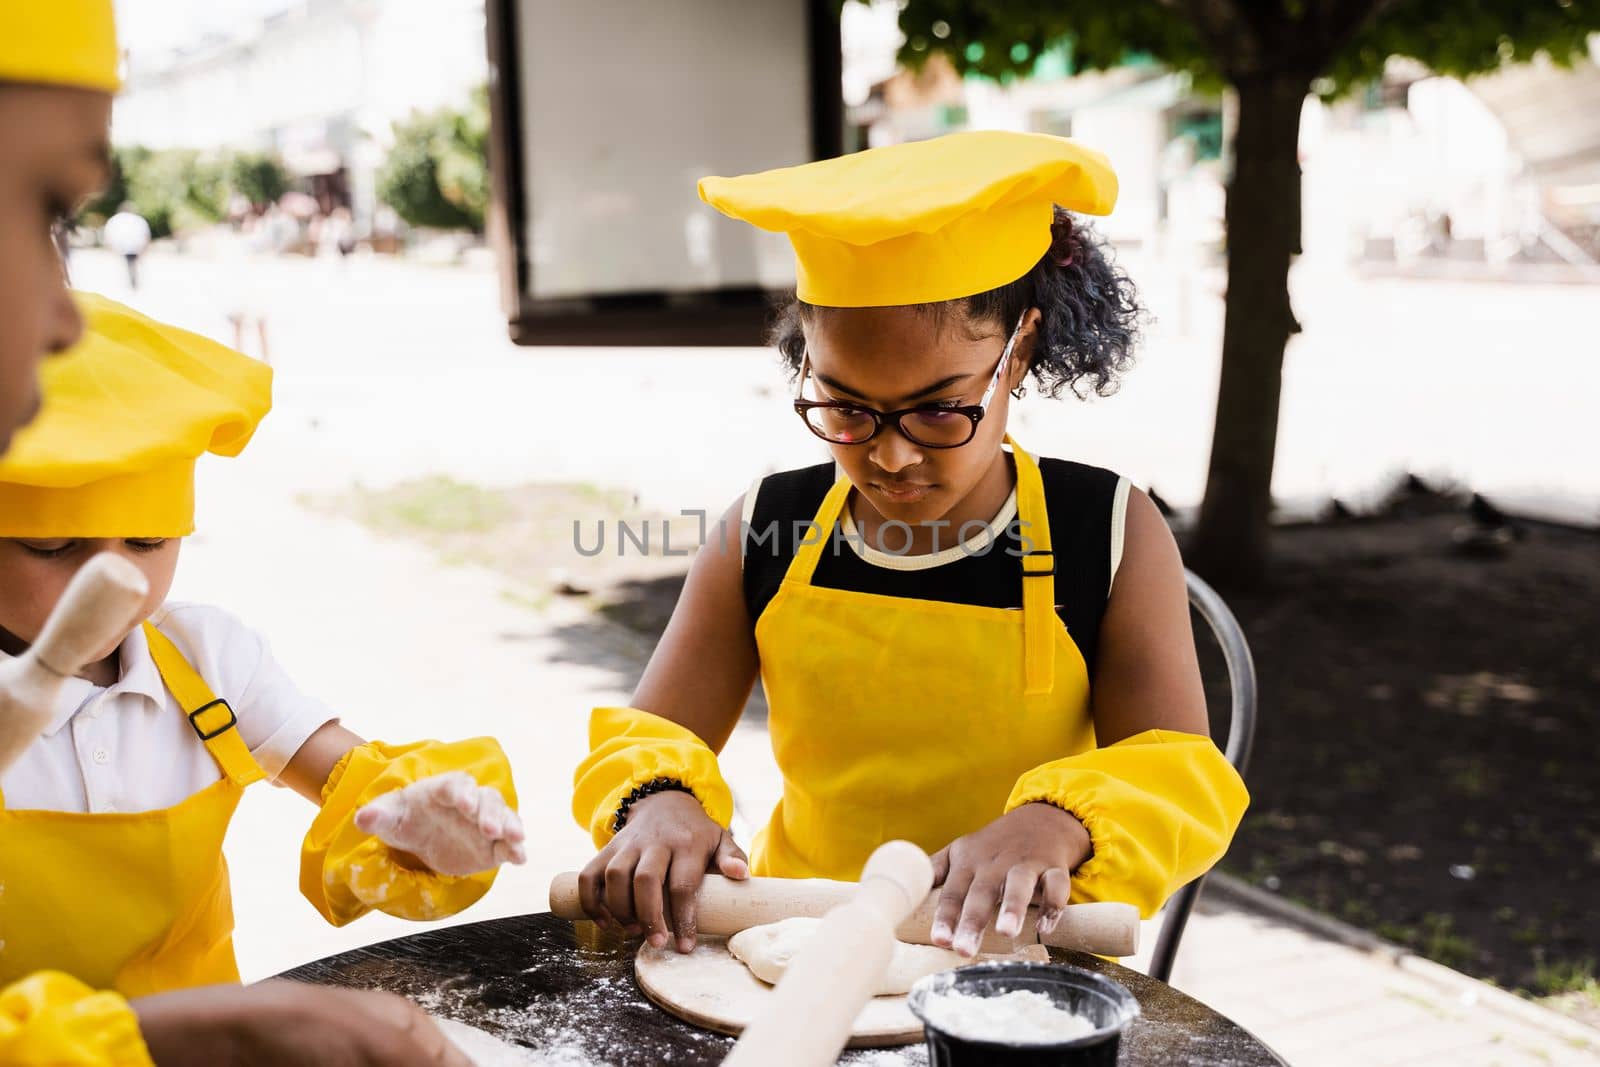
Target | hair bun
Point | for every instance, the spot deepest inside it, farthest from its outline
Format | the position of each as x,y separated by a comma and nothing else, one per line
1063,239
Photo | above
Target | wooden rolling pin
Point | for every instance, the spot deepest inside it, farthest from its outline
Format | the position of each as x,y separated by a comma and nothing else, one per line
809,1016
98,606
727,906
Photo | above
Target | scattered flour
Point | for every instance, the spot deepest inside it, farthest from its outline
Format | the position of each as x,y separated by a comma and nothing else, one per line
915,1056
1020,1017
483,1048
563,1037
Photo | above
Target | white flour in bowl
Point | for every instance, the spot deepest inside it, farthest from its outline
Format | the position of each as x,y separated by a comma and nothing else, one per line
1020,1017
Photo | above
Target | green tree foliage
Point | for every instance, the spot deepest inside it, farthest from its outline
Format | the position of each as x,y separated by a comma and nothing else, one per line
177,189
1271,53
1345,41
259,177
437,174
464,159
115,193
174,189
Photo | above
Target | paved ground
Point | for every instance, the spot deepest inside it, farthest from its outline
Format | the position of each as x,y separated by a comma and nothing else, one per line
392,371
1333,996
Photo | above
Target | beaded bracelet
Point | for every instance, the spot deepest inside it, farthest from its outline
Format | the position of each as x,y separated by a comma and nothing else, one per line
648,789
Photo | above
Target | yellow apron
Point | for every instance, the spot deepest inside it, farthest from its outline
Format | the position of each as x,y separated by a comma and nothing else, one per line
894,717
137,901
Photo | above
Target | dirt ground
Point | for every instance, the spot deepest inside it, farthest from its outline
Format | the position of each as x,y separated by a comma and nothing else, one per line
1424,759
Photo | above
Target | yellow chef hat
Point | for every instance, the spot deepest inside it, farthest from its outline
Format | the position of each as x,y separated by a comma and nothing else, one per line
126,414
59,42
920,222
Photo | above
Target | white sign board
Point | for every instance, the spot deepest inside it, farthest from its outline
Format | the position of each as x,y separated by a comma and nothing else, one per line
618,107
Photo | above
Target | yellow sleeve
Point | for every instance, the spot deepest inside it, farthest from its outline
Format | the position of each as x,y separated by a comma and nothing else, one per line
346,873
51,1020
1160,807
629,747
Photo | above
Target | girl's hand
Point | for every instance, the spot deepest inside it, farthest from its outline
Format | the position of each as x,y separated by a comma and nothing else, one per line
1025,855
449,823
670,841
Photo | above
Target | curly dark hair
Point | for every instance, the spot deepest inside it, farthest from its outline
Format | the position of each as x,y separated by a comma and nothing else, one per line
1090,316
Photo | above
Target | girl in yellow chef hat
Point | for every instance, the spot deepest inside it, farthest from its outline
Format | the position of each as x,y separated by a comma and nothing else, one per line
961,644
135,779
58,69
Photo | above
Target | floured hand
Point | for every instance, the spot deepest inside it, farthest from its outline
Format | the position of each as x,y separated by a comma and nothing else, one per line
1025,856
449,822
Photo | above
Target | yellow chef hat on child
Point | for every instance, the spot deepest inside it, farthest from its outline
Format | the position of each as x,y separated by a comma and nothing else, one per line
920,222
126,414
59,42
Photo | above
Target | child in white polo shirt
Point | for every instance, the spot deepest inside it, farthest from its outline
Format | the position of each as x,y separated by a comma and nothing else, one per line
112,822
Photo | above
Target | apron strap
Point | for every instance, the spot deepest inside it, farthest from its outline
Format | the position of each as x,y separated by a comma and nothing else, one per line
1038,578
809,551
210,716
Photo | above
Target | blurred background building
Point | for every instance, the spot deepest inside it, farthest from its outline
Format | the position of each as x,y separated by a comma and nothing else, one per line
318,82
1414,169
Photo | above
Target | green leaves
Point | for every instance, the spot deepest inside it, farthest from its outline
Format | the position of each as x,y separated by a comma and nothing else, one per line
1336,40
175,189
259,177
437,173
179,189
1465,37
1002,39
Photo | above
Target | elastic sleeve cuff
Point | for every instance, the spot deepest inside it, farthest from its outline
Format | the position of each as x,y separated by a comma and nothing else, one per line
346,873
49,1019
629,747
1161,808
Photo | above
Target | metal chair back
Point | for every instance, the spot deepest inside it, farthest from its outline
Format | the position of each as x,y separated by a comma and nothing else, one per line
1241,735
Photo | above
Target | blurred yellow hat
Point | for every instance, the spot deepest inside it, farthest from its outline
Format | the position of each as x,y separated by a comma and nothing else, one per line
59,42
920,222
126,414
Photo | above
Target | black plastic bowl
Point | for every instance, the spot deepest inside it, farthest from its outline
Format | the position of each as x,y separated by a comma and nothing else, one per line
1105,1003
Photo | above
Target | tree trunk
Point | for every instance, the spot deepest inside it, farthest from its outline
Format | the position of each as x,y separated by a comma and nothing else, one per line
1229,546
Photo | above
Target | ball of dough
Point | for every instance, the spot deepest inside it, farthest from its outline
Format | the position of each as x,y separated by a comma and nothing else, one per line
767,950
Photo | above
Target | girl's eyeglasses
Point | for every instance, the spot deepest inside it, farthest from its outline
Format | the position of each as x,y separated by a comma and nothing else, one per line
929,425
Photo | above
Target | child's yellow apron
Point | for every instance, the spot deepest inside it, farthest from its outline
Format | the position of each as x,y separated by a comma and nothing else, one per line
136,902
894,717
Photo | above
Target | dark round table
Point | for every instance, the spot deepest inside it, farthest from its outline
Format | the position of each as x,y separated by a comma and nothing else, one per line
567,991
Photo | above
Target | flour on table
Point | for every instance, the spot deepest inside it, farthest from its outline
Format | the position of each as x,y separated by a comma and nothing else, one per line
915,1056
484,1049
563,1038
767,951
1020,1017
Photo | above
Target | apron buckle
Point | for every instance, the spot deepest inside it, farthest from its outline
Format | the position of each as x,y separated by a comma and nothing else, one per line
207,735
1026,573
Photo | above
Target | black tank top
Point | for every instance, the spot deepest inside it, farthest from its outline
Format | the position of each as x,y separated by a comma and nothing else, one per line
1085,519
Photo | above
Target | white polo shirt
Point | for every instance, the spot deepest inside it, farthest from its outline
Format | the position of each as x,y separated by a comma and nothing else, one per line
130,747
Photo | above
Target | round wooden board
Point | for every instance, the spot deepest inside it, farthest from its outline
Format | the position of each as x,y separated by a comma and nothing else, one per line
711,989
